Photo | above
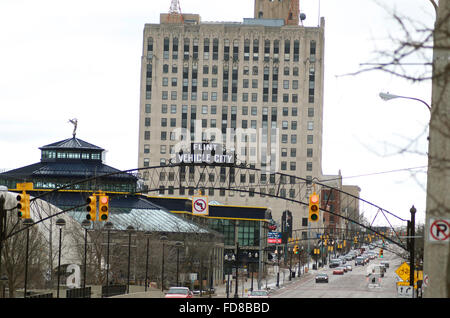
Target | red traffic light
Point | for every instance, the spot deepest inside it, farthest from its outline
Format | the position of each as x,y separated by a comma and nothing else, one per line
314,198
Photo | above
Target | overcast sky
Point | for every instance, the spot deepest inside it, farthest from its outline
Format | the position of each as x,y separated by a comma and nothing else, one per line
63,59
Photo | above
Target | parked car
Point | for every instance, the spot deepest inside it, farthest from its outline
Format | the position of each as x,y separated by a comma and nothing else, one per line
322,278
338,271
179,292
349,267
258,294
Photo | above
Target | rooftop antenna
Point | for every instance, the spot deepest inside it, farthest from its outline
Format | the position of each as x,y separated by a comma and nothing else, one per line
175,15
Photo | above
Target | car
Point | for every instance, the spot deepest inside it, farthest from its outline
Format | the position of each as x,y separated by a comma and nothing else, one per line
338,271
386,264
349,267
322,278
258,294
359,261
334,263
178,292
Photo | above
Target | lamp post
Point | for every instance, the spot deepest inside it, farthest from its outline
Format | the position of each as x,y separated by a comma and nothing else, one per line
178,245
86,224
251,263
27,223
229,258
130,230
236,295
147,234
387,97
60,223
108,226
162,238
3,189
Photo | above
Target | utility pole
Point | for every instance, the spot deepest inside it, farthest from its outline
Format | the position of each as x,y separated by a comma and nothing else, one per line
436,253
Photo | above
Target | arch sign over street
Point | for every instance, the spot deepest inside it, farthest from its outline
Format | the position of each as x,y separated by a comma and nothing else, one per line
439,230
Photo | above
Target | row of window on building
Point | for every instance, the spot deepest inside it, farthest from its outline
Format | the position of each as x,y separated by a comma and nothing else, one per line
231,49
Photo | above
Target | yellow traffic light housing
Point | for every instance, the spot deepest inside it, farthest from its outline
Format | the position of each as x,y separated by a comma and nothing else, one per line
91,208
381,253
296,249
23,205
314,207
103,207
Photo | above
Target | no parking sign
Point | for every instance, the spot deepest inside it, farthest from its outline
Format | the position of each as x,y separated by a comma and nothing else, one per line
439,230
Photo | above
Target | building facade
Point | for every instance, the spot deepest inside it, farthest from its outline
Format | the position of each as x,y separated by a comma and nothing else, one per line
255,87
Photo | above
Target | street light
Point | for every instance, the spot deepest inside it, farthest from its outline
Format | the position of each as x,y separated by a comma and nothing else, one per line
147,235
60,223
108,226
27,223
387,97
86,224
162,238
229,258
178,245
130,230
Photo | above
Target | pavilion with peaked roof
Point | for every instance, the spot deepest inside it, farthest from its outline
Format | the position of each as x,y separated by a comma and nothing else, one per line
71,161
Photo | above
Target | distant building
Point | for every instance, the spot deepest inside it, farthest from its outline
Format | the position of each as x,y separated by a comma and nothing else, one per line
265,74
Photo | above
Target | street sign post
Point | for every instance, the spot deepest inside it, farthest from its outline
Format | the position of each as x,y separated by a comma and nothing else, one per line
403,271
405,291
200,205
439,231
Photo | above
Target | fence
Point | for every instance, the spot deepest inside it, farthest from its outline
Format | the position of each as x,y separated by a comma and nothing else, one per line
79,293
113,290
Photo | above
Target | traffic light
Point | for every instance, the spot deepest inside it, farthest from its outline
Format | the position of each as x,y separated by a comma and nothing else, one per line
381,253
314,207
91,208
103,207
23,205
296,249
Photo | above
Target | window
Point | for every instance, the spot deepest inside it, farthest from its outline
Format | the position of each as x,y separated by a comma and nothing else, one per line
292,165
309,139
310,125
293,139
294,125
293,152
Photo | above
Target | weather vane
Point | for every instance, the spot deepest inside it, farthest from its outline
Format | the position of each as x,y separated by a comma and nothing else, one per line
74,122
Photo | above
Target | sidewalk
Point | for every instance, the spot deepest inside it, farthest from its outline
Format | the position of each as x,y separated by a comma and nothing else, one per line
269,282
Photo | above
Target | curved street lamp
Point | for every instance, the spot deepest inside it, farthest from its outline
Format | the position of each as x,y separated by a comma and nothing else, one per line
387,97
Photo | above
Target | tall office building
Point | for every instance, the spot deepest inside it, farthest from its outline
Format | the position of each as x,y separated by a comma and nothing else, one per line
212,80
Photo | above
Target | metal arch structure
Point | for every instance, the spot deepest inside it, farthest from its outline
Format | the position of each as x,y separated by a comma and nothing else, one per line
248,179
233,177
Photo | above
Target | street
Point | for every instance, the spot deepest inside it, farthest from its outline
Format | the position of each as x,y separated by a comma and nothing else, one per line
353,284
